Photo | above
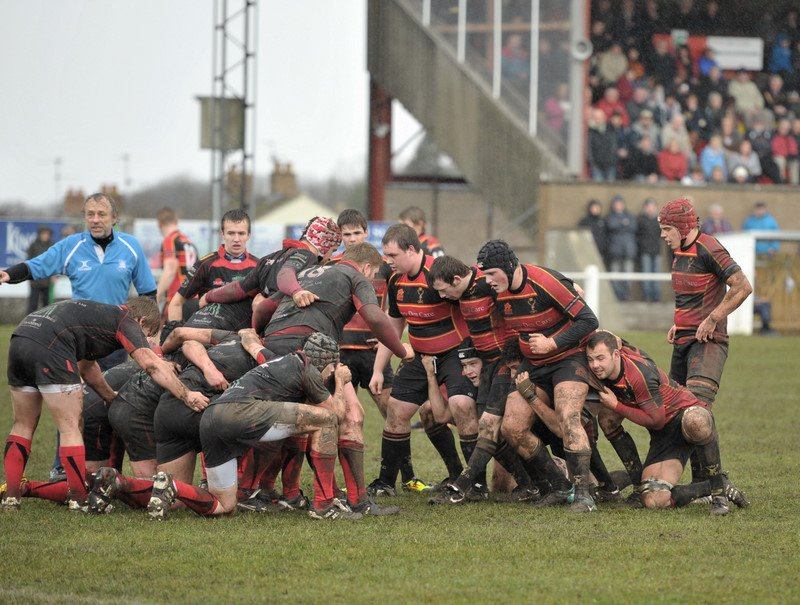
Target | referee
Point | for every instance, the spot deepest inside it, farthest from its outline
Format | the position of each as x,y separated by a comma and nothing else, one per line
101,266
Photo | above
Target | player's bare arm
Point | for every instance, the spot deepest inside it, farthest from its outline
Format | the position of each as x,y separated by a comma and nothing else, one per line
175,307
196,353
161,372
171,267
441,412
537,398
739,289
383,356
251,342
93,376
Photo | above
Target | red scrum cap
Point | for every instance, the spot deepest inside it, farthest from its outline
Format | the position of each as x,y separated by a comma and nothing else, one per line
324,233
679,213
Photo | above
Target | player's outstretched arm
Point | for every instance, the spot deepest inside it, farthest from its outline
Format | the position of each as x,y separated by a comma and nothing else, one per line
229,293
263,311
196,353
387,330
739,289
252,343
162,373
441,413
93,376
175,307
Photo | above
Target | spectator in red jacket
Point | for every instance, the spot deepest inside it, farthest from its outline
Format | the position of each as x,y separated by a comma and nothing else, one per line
611,103
784,152
672,163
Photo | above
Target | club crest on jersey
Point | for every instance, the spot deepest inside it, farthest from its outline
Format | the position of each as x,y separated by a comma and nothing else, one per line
507,308
420,293
84,265
400,295
122,265
218,282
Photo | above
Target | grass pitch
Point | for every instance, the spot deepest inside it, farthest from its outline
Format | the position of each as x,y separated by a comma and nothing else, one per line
474,553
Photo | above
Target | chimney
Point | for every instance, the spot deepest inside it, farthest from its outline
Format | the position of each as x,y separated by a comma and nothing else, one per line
282,181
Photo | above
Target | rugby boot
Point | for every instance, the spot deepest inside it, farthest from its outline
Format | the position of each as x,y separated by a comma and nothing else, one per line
443,485
163,496
448,495
268,496
520,494
583,502
105,485
603,494
621,479
370,508
719,506
78,506
734,494
477,493
416,484
556,497
4,487
334,512
634,499
256,504
10,504
299,502
380,488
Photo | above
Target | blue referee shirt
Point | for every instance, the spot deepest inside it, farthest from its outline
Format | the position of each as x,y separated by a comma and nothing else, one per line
102,276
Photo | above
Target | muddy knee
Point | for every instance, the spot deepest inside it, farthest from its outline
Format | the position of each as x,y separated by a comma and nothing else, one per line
697,425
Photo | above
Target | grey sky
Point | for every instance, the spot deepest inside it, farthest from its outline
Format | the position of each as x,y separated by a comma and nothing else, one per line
89,80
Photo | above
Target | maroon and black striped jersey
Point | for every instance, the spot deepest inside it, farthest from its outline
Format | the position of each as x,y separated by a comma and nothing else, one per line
486,326
435,325
699,273
431,245
641,382
216,269
177,245
83,329
546,304
356,334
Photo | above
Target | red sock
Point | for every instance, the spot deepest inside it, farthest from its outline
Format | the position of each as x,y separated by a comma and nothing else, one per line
244,469
135,492
351,457
55,492
196,498
272,465
295,451
14,460
73,459
323,465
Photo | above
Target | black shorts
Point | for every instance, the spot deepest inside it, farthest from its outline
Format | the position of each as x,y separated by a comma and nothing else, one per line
669,444
227,430
574,368
98,435
698,359
177,429
411,381
548,437
360,363
283,344
500,386
31,364
132,420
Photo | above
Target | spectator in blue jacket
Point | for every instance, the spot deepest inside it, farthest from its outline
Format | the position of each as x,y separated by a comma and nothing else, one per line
762,220
713,155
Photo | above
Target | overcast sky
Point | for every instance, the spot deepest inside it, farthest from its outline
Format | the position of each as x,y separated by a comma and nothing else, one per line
90,80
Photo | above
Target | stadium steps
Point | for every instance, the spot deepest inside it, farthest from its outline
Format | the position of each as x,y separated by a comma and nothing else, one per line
490,145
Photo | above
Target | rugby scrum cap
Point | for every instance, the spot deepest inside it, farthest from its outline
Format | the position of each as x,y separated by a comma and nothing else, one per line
321,350
678,213
497,254
323,233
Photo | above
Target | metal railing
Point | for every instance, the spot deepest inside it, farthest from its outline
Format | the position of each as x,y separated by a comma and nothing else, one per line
591,276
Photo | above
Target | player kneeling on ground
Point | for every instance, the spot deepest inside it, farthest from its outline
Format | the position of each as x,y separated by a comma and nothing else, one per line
263,406
678,423
50,351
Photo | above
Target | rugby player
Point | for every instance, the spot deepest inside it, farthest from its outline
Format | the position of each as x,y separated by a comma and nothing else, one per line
414,217
679,423
553,323
454,280
50,351
230,262
358,346
701,270
178,256
435,327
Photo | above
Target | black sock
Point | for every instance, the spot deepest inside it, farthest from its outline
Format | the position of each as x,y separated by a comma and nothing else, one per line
712,465
578,465
543,464
599,470
476,465
468,446
510,461
406,468
684,494
442,439
698,468
625,447
394,448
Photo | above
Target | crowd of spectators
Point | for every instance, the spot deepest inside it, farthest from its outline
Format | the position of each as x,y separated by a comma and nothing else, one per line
658,113
632,243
